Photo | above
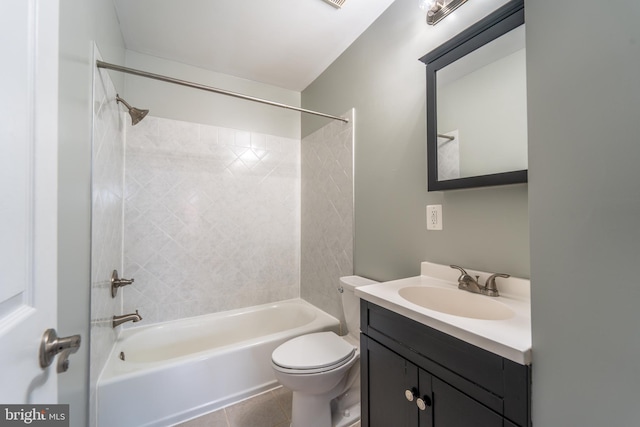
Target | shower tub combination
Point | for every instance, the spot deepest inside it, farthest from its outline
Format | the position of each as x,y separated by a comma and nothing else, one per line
178,370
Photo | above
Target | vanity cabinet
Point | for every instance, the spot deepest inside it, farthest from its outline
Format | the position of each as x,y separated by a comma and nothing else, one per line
457,384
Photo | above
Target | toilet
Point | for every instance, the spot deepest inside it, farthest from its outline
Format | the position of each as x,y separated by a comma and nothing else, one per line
323,369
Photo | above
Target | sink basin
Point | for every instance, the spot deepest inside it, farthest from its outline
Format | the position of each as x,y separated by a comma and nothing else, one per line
457,302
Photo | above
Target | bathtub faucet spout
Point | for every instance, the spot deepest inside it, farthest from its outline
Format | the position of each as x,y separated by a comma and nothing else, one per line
133,317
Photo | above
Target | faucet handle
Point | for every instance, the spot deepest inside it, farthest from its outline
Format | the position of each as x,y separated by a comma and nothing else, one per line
117,282
466,282
463,272
490,287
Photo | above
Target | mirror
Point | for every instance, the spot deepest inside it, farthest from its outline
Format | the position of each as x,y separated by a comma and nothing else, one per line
476,105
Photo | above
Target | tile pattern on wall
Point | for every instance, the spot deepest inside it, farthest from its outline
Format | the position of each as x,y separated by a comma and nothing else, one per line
106,223
212,219
327,214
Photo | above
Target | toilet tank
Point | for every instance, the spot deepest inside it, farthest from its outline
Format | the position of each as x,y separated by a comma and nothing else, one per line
351,303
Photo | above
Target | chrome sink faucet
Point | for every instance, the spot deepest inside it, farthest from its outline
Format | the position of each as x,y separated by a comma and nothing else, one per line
133,317
468,283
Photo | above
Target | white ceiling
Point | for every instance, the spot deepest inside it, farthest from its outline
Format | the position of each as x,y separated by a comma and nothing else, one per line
286,43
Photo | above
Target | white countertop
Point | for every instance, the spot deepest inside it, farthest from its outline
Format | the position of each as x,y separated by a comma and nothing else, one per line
509,338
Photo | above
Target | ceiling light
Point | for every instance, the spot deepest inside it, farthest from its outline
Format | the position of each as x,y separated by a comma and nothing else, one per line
438,9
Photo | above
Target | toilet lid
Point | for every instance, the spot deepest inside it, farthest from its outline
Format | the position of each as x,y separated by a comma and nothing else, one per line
313,351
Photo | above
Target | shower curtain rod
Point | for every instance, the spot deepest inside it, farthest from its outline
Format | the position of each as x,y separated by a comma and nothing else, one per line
102,64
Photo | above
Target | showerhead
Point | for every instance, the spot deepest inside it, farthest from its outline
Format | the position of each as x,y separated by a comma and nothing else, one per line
136,114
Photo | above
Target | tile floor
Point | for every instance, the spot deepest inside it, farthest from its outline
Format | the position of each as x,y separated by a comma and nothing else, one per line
269,409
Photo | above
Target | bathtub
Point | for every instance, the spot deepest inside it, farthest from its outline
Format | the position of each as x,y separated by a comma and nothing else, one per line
178,370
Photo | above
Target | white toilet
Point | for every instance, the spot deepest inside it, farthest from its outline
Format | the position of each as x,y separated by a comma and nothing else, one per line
323,369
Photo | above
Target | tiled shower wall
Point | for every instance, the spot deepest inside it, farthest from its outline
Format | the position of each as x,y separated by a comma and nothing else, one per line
106,222
327,214
212,219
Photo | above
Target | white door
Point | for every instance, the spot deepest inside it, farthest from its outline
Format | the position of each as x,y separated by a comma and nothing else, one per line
28,196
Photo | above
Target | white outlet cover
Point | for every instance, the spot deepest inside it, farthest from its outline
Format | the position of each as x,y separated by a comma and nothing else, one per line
434,217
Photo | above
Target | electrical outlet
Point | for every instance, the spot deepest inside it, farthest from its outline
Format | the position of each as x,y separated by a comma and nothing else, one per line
434,217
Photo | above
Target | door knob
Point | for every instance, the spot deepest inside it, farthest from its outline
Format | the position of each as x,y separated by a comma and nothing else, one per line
51,345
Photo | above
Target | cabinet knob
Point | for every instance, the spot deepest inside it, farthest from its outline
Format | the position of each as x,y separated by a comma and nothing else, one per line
423,402
410,394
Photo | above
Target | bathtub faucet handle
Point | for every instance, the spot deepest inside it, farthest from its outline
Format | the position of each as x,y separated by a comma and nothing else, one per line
117,282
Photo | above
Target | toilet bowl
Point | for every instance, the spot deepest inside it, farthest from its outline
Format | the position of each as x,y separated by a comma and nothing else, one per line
323,369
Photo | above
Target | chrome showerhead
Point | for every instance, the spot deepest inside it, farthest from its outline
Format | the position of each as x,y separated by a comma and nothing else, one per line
136,114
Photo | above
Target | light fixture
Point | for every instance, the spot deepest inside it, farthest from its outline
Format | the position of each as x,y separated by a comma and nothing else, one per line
438,9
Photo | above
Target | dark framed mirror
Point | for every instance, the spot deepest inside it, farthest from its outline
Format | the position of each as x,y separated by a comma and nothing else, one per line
476,104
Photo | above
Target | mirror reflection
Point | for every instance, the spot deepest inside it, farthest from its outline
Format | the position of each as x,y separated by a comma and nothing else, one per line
482,110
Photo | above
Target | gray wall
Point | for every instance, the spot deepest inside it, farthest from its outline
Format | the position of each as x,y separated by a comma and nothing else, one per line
81,22
380,75
584,109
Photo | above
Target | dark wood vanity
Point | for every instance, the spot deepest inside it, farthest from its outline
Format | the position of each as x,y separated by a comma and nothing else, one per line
414,375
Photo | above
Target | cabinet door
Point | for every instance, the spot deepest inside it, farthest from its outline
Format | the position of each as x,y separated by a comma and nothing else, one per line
452,408
389,376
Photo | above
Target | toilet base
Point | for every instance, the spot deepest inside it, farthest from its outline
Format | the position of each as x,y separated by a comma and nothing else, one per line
310,411
346,417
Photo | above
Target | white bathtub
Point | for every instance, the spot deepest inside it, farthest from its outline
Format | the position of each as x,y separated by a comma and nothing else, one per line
177,370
